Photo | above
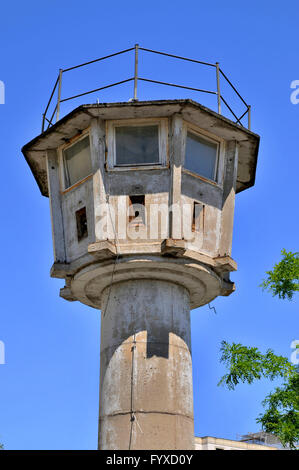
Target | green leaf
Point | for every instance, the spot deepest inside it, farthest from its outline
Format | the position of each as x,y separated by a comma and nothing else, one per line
246,364
283,279
281,416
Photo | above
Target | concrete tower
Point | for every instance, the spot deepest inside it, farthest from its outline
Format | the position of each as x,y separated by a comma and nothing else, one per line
142,200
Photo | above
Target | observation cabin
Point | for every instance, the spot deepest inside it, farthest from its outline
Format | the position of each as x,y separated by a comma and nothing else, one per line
142,197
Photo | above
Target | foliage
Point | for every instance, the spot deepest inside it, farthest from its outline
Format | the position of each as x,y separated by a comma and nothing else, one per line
281,416
284,277
246,364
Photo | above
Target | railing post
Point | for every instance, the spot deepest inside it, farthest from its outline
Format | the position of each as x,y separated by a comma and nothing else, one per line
249,117
43,123
59,95
218,87
136,71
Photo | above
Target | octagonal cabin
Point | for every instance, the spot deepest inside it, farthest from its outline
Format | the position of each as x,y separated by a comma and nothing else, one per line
152,177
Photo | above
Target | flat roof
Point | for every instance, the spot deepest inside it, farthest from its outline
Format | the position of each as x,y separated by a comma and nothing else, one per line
238,445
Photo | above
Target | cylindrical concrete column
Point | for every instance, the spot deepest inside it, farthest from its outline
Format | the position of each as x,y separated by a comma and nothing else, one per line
146,396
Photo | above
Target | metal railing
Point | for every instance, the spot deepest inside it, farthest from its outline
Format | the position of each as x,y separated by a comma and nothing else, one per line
136,78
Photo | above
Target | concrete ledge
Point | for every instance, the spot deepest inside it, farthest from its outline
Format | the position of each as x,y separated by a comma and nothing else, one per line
105,249
225,264
102,249
201,281
184,266
63,270
67,294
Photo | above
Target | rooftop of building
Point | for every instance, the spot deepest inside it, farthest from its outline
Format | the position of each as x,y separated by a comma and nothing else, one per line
216,443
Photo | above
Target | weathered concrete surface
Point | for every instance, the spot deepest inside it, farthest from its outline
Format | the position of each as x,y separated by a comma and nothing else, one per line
157,276
146,398
169,186
202,282
163,188
81,117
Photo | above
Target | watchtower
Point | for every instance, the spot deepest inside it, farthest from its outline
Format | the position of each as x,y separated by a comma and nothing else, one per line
142,200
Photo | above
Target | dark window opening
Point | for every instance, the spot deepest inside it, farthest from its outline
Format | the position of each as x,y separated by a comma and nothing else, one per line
81,221
137,210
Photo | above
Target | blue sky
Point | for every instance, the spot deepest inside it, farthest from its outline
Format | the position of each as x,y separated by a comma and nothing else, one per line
49,384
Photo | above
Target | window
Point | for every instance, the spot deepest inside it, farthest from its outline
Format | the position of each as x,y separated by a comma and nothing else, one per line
77,162
201,156
136,143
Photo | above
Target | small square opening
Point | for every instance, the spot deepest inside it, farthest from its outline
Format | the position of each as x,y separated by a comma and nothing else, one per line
137,209
198,217
81,221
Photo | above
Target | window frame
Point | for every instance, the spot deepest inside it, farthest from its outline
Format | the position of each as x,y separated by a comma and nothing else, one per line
219,164
74,140
111,125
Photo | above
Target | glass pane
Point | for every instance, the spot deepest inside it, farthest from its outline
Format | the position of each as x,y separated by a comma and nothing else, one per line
201,156
137,145
77,162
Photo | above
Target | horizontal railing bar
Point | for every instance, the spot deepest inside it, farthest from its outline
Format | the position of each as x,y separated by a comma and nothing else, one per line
177,57
97,60
177,86
50,99
238,120
236,117
233,87
96,89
